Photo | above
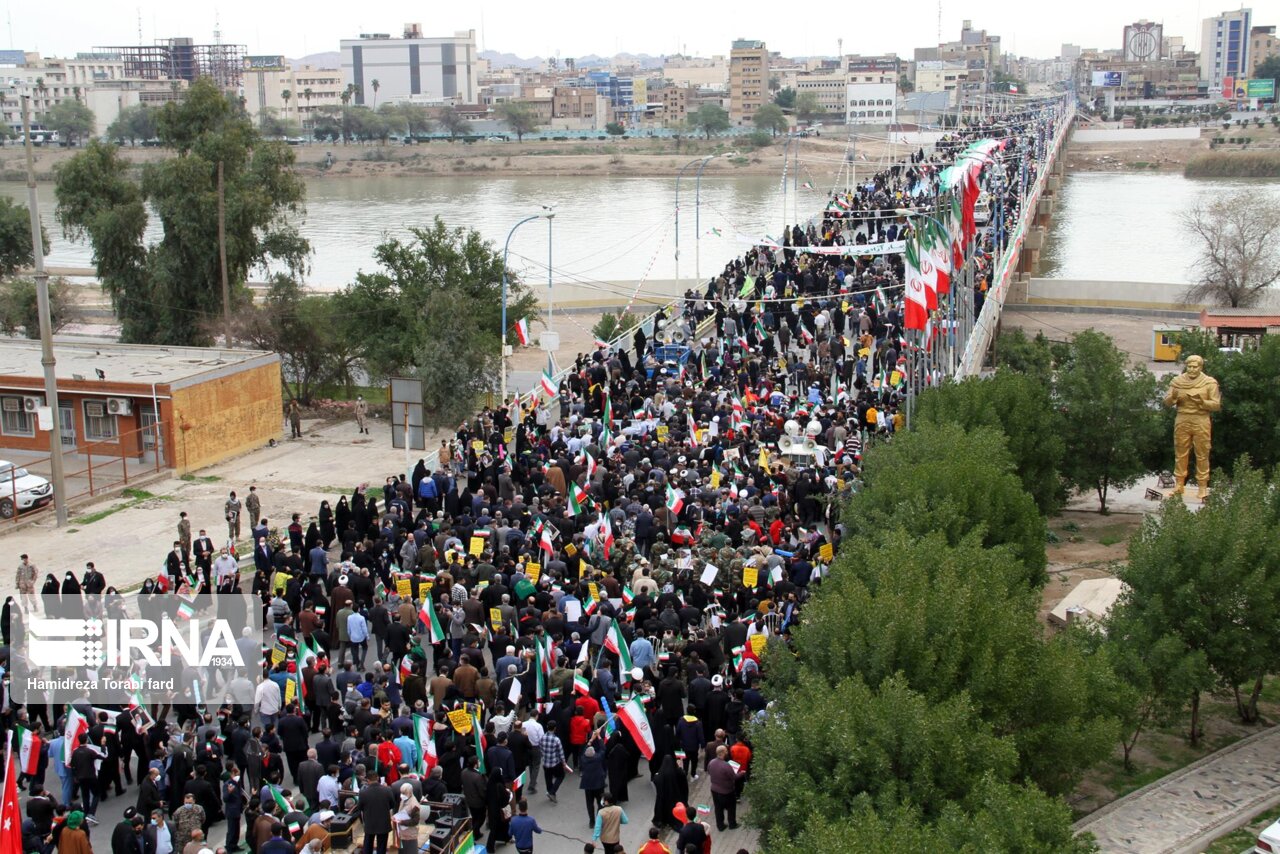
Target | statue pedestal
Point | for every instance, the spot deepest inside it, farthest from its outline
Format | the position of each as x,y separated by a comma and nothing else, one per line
1190,496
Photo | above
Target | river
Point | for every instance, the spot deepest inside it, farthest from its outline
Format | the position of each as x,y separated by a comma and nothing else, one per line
1106,225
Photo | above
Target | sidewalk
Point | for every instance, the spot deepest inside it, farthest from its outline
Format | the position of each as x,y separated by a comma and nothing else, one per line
1186,810
293,477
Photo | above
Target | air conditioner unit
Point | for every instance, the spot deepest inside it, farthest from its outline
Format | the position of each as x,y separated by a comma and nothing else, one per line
31,404
119,406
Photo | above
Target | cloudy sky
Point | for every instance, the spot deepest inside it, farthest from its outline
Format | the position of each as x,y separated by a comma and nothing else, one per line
1027,27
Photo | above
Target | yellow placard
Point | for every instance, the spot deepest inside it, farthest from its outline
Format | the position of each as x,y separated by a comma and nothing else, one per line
477,546
495,617
757,643
750,576
895,377
290,688
477,445
827,552
715,478
461,721
424,585
594,590
662,432
764,459
509,435
404,587
534,571
277,654
570,549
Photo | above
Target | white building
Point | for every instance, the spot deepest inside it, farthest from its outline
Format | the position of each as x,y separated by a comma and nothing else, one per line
267,79
1224,48
938,75
412,68
871,104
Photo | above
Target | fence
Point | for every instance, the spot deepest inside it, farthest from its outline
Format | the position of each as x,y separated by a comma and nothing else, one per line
89,469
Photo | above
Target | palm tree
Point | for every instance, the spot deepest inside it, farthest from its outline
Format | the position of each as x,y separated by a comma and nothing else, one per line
376,85
286,95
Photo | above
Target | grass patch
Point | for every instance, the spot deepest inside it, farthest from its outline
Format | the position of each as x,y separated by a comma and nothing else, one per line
1110,540
193,478
1234,164
133,497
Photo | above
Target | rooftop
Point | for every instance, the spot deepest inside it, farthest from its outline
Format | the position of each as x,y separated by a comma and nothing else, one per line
124,363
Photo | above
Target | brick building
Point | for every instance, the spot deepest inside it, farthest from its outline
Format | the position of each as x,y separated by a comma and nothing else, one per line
192,405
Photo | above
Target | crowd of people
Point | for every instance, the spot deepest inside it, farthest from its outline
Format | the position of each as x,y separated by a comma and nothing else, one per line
581,583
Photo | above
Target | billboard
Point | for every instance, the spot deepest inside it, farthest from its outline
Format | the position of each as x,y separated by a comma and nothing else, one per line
265,63
13,57
1108,79
1229,88
1264,90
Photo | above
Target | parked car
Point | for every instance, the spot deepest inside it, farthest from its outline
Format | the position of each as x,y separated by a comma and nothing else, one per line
1269,839
21,490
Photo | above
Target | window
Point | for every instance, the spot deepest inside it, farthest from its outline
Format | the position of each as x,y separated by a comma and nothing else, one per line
14,420
98,425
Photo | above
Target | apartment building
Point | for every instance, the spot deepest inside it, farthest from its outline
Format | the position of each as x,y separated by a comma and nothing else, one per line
412,68
748,80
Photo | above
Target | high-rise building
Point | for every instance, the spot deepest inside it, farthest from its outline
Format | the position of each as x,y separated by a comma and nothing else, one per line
1224,47
411,68
1263,45
748,80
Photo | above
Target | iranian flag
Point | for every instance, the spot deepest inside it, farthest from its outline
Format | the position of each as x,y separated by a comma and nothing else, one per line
29,747
578,499
581,684
281,802
74,732
617,644
11,828
916,301
606,535
674,500
431,620
426,744
940,255
522,332
548,384
544,539
592,465
520,782
636,721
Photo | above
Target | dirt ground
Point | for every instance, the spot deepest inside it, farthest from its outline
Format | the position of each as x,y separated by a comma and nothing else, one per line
1131,332
1163,155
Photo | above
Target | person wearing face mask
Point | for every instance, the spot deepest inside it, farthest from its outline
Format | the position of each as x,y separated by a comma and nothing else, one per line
408,819
233,803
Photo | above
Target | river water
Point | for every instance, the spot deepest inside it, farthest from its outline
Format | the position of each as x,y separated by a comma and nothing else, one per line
1117,226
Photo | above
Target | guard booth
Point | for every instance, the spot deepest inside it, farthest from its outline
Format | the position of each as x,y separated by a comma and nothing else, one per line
1163,345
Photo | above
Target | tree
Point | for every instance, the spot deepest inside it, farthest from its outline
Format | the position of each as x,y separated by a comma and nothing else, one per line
15,238
1019,406
614,128
19,310
941,478
1268,69
611,325
710,120
315,341
905,86
164,293
436,303
1210,580
1110,423
376,86
808,107
71,119
1238,237
1035,357
273,126
786,98
771,118
454,122
133,124
285,95
519,117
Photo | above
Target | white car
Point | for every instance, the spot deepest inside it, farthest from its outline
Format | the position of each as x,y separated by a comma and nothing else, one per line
1268,840
21,490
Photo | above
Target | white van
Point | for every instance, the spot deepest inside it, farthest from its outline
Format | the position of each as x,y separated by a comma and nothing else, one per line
21,490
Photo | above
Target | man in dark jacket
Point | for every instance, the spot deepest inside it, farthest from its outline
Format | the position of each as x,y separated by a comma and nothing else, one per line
475,792
126,838
375,805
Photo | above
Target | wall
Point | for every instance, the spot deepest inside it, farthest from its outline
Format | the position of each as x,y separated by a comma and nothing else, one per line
1134,134
1090,292
229,415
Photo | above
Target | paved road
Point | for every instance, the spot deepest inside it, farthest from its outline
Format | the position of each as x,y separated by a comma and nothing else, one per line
1187,809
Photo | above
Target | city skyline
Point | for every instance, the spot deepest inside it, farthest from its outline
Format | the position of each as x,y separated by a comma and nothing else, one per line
665,28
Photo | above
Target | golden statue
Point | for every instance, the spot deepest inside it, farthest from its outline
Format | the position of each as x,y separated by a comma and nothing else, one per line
1195,394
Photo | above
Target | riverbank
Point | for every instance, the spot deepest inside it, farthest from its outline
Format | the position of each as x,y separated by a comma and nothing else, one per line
634,157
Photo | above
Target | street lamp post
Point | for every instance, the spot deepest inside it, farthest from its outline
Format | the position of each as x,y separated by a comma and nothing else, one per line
679,175
506,250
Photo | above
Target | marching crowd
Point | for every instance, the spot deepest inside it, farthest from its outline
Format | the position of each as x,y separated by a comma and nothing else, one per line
580,583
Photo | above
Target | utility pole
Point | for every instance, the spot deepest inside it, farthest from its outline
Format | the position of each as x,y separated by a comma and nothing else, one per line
222,258
46,326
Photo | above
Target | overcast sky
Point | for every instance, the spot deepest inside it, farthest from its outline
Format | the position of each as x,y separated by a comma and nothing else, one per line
1028,27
